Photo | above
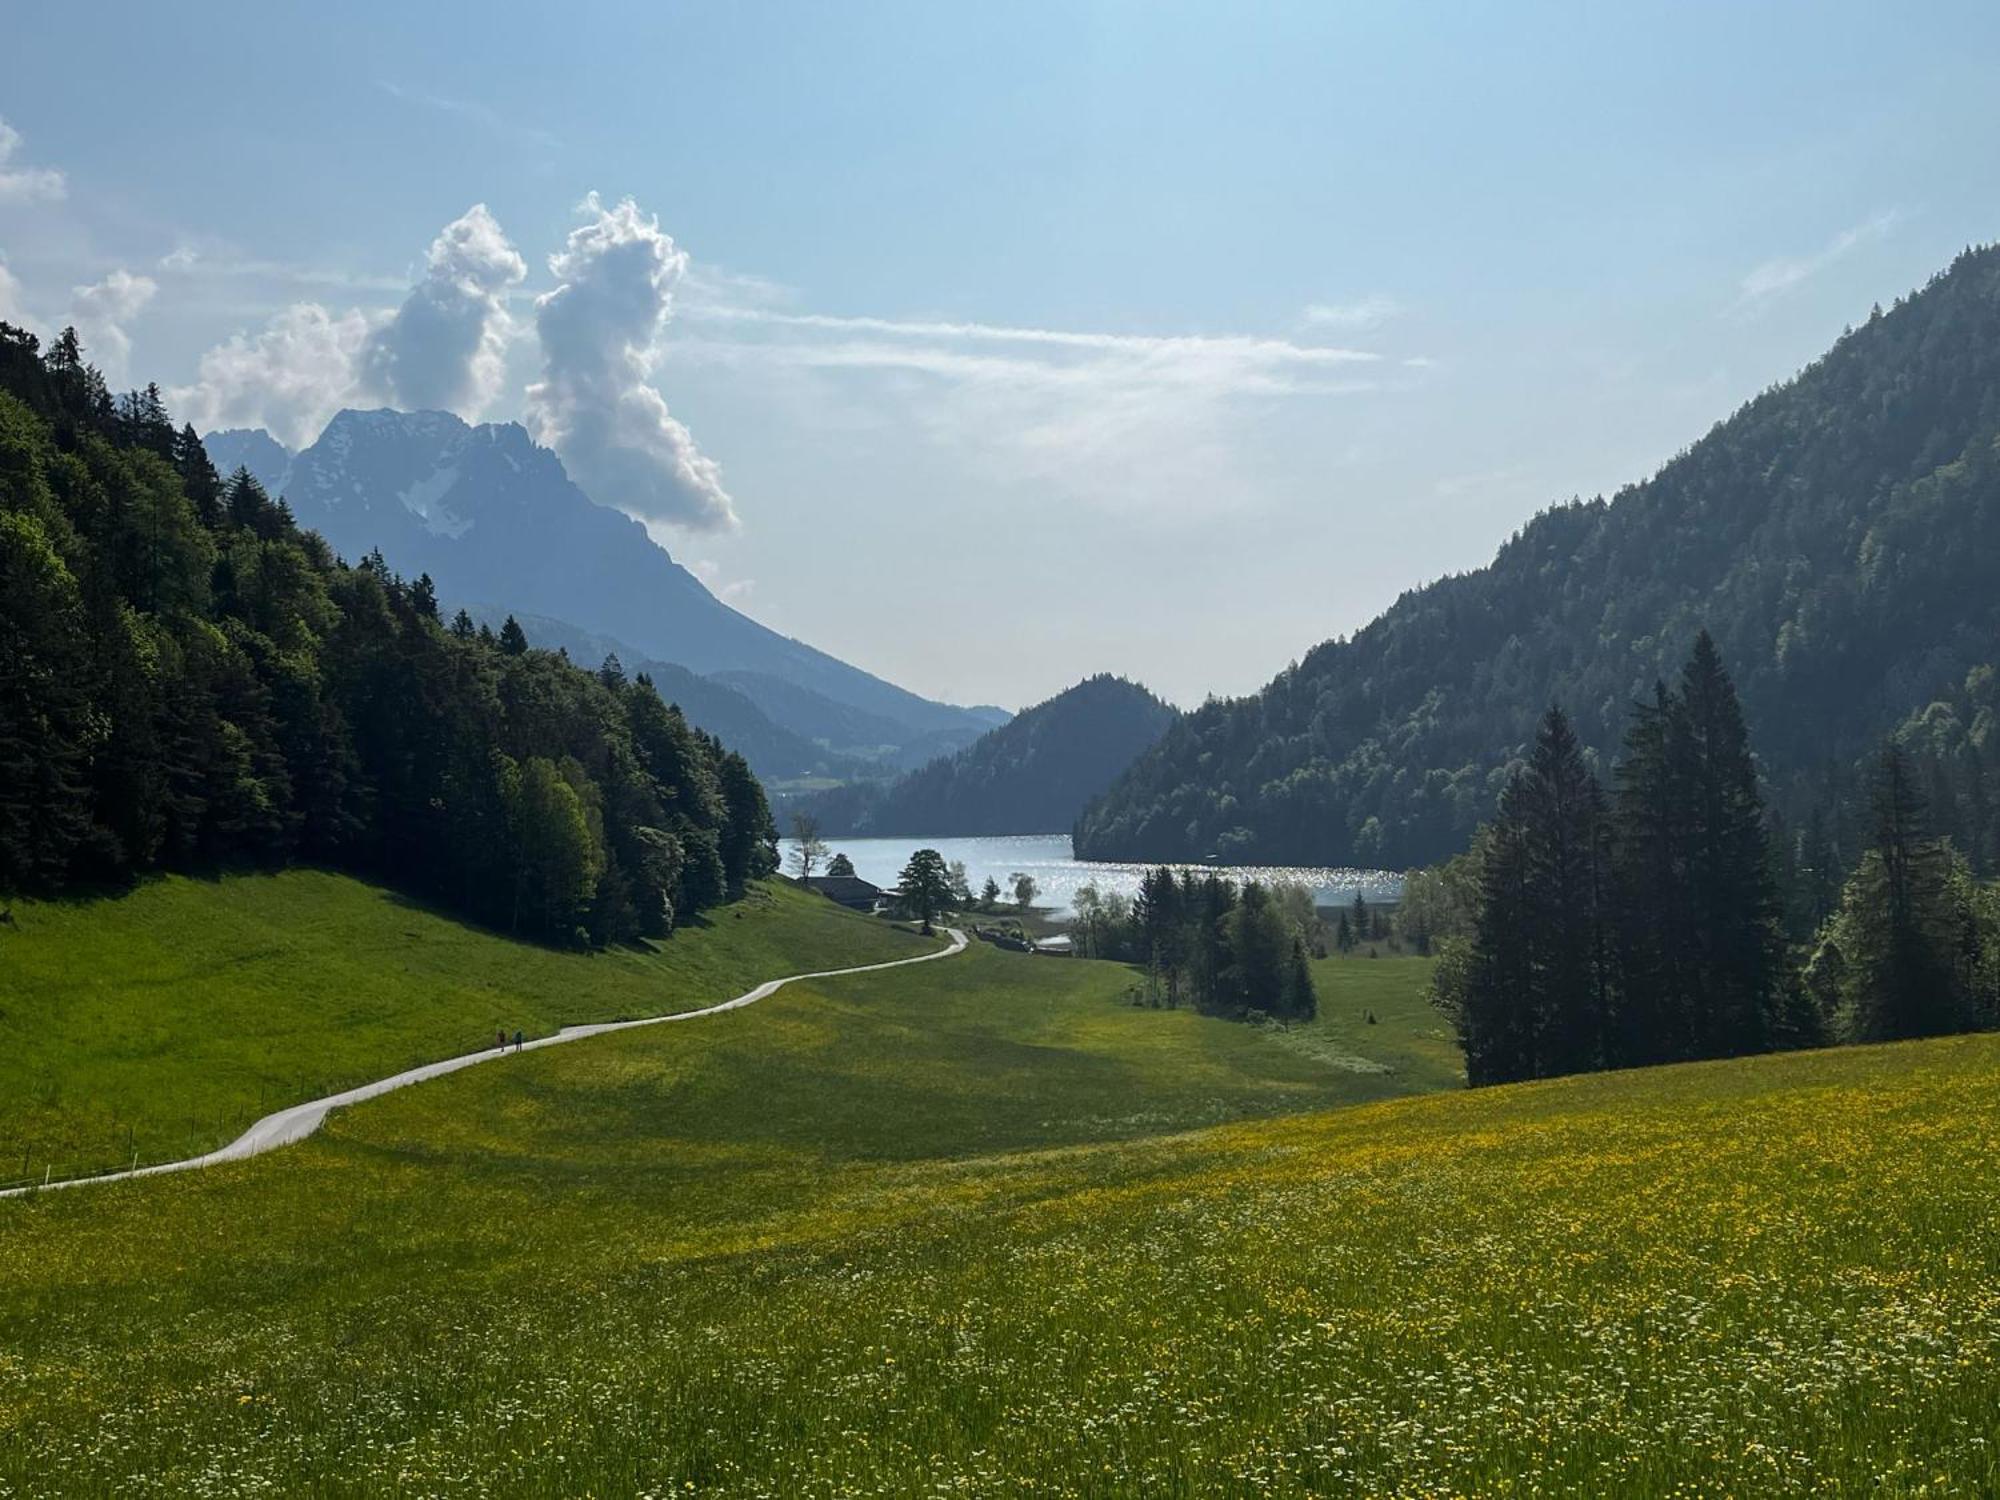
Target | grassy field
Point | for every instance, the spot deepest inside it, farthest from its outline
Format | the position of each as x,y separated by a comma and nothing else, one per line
950,1231
1407,1036
161,1023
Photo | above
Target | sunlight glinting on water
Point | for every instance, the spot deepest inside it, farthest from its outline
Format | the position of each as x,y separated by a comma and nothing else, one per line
1058,874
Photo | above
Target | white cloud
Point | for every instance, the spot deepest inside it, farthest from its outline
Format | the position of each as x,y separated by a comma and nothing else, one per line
100,312
446,347
221,264
290,378
484,116
12,308
1160,425
600,330
730,590
21,184
1194,353
1785,272
1368,312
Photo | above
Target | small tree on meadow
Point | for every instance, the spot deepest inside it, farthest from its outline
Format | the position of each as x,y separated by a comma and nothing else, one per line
989,895
926,886
809,849
1025,890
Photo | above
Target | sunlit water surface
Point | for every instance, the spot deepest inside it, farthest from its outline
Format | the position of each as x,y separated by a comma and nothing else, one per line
1058,873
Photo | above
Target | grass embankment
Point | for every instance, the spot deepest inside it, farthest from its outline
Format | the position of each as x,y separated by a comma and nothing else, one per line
846,1243
162,1022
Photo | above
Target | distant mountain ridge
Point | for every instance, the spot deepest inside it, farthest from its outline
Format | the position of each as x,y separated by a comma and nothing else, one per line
492,516
1839,536
1033,774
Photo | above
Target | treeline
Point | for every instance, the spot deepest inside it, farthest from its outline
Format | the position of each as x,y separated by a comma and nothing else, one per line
188,680
1837,534
1646,925
1208,943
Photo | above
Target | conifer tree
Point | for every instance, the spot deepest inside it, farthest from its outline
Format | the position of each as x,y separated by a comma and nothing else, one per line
1734,979
1300,1002
1908,934
1537,990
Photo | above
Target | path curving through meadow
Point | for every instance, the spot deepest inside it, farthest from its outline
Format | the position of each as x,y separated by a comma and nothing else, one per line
301,1120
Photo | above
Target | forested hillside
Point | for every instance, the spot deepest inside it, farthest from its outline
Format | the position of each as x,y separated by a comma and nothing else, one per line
189,680
1033,774
1839,536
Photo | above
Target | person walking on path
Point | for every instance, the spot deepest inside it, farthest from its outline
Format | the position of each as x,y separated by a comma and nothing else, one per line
503,1039
517,1040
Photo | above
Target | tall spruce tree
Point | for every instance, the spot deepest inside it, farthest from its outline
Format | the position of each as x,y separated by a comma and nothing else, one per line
1537,996
1699,952
1737,958
1651,859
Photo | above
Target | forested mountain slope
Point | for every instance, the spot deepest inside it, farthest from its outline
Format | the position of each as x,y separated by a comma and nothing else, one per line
1839,536
1033,774
190,680
493,516
775,753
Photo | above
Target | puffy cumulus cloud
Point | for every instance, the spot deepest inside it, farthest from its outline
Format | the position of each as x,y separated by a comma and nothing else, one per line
446,347
290,378
101,311
24,184
600,329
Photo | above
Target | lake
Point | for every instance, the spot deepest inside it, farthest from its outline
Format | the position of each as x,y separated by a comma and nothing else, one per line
1058,873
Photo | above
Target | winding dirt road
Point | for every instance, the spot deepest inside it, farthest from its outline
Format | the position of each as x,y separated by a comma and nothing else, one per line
301,1120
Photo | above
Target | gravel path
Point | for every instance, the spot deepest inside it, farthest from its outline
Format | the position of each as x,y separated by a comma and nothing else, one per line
301,1120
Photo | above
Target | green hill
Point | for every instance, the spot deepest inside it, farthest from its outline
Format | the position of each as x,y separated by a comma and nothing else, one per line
1033,774
955,1230
1836,536
160,1024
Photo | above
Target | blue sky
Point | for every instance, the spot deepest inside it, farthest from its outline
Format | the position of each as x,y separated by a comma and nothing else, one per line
1025,342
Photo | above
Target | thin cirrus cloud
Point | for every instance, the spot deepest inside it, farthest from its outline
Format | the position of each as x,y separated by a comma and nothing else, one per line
22,183
471,111
1781,274
1157,424
1367,312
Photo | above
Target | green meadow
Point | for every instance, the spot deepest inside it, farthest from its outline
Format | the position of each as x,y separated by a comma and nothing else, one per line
984,1227
158,1024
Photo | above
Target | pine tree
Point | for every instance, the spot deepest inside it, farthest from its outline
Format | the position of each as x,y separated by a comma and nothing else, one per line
1733,899
1537,990
1300,1002
513,639
1654,808
198,477
1495,1005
